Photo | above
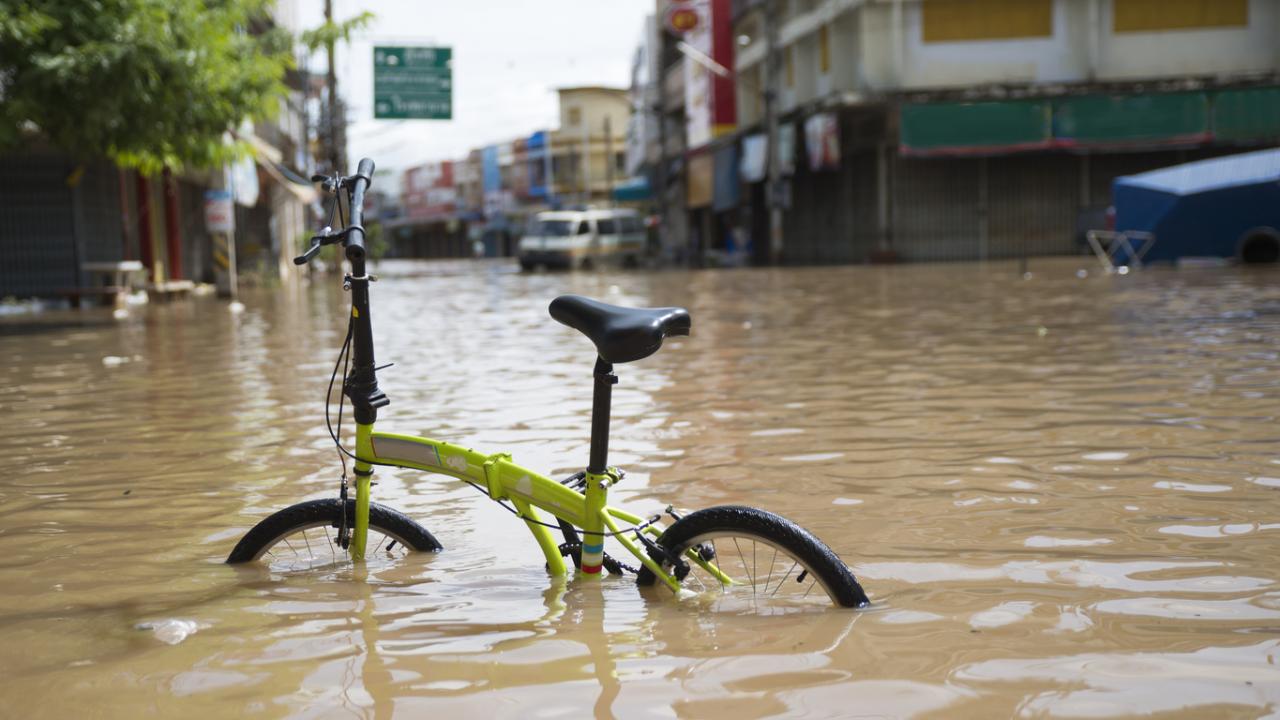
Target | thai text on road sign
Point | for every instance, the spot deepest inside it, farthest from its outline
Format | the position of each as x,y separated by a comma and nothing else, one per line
412,83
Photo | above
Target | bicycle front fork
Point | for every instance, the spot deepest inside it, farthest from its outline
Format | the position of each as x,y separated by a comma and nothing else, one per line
364,476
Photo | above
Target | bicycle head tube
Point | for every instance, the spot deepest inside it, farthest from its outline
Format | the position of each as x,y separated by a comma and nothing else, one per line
361,386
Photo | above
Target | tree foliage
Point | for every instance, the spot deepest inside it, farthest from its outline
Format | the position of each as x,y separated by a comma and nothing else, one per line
148,83
335,32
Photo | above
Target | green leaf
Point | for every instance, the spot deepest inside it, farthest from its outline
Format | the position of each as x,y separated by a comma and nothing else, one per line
148,83
335,32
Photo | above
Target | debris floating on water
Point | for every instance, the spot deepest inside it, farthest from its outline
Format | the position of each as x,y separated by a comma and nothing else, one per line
171,631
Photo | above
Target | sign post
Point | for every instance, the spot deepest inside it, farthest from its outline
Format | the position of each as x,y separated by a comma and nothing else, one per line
412,83
220,221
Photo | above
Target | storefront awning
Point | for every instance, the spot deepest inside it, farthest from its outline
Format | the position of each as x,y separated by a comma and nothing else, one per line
1109,121
1087,122
975,128
632,190
270,160
1249,114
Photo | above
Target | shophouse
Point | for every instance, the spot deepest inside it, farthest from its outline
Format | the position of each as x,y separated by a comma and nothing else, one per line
969,129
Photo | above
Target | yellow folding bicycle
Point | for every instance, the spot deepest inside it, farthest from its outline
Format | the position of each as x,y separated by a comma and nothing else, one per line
717,552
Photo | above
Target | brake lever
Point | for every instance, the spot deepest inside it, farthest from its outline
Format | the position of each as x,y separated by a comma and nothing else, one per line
328,183
326,237
311,252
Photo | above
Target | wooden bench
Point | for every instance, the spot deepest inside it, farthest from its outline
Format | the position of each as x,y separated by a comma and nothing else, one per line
120,274
107,280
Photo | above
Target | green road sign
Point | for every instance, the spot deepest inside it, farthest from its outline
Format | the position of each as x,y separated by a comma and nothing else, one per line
412,83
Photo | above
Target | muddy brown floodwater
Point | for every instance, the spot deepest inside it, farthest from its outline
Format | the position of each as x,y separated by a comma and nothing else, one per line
1062,493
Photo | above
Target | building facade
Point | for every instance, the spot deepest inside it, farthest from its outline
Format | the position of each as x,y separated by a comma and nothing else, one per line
500,187
428,224
964,129
589,148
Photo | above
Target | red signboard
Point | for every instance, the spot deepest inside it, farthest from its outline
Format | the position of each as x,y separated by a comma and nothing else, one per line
429,192
710,105
724,108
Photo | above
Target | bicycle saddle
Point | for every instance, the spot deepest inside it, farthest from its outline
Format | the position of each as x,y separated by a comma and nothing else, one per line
620,334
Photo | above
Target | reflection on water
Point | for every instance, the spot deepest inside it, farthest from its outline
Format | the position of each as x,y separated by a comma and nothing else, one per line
1061,492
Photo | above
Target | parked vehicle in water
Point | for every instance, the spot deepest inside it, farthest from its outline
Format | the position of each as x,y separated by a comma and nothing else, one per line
583,239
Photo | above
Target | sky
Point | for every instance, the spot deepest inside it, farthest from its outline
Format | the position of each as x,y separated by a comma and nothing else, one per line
509,56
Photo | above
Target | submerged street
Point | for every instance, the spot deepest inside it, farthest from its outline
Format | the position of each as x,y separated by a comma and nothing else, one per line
1059,490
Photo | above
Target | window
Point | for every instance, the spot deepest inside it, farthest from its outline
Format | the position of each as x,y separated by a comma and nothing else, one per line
961,20
575,116
1155,15
824,50
606,226
584,227
551,228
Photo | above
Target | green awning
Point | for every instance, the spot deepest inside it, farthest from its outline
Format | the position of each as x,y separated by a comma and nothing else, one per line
1131,120
632,190
1252,114
1090,121
975,128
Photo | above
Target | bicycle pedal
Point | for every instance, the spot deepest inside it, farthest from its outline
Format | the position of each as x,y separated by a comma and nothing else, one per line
573,551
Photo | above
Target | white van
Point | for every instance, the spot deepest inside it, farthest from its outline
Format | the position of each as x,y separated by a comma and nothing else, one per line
583,239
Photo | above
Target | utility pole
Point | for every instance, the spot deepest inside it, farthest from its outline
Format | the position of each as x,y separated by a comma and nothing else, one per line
608,158
773,186
586,162
335,145
548,171
664,228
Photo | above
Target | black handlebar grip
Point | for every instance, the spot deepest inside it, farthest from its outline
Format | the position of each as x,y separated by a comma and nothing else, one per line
355,240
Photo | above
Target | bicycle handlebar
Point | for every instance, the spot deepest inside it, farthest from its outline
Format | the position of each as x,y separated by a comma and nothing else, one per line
359,183
352,236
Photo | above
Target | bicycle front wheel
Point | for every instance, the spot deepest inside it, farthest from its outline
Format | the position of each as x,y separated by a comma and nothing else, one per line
305,536
771,563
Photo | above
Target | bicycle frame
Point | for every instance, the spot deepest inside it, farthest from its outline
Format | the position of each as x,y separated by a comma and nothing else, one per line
527,490
503,479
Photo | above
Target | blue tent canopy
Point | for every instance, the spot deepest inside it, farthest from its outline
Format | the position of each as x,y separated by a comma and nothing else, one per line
1203,208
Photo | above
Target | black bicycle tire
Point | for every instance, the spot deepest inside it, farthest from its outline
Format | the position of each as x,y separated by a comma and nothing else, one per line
843,587
297,517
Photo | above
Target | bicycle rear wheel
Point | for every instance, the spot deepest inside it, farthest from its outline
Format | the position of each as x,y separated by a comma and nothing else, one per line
304,536
774,565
